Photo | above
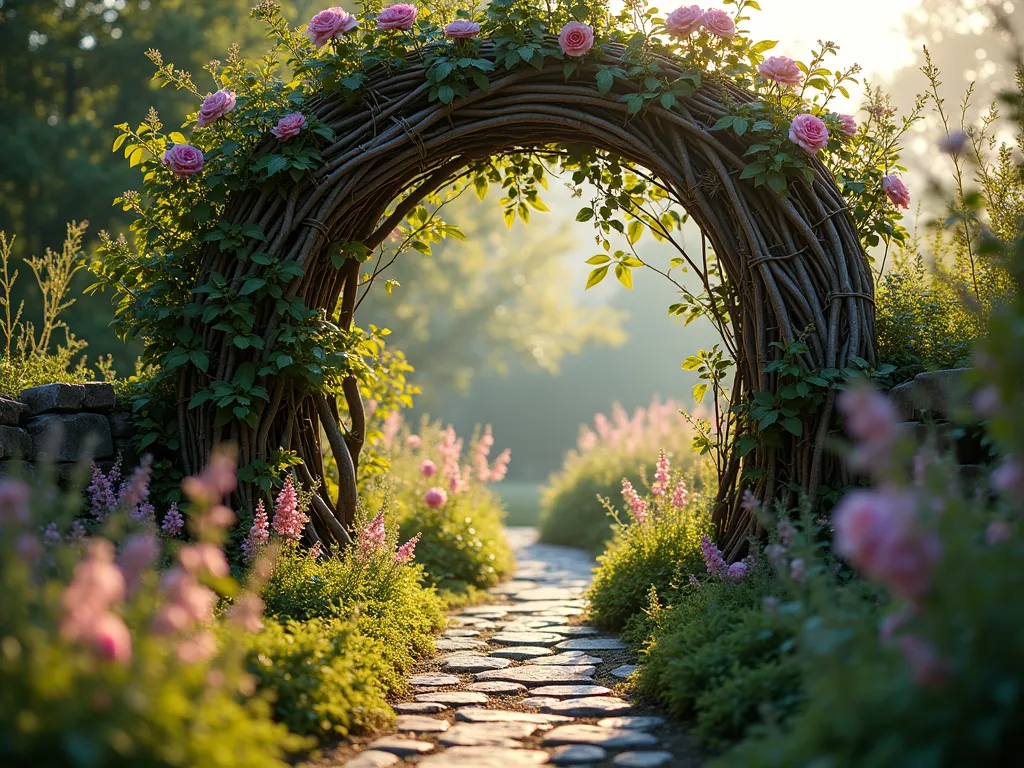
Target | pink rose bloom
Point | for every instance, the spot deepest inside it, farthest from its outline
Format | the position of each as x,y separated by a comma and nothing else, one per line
718,23
110,638
908,557
864,520
576,38
328,24
809,133
214,107
782,70
998,532
896,191
428,468
413,442
462,29
398,16
184,160
847,125
924,662
684,20
435,498
289,126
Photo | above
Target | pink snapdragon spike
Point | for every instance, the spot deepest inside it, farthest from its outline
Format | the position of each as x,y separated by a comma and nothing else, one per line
289,521
97,585
173,523
214,107
713,559
896,191
435,498
371,538
637,506
877,531
259,533
14,497
500,467
871,419
428,468
737,571
405,552
662,474
927,667
680,496
782,70
399,16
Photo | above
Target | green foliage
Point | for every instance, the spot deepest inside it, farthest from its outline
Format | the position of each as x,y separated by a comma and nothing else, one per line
322,675
30,357
463,547
656,555
572,511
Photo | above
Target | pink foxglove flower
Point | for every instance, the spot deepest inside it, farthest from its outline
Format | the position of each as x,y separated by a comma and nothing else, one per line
713,559
406,551
435,498
214,107
847,125
662,474
576,38
329,24
172,524
718,23
184,160
455,482
680,496
289,521
259,533
809,133
782,70
684,21
428,468
398,16
462,29
289,126
896,191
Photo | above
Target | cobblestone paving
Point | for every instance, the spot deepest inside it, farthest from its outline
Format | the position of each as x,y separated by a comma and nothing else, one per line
523,681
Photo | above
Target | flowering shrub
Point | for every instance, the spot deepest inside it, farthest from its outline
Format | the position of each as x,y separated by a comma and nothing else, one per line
107,662
656,546
618,448
438,488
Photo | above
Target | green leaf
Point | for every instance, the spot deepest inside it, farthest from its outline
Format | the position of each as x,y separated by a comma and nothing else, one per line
605,80
668,100
276,164
446,94
624,275
480,185
793,425
596,276
764,45
601,258
585,214
698,392
691,363
251,285
635,230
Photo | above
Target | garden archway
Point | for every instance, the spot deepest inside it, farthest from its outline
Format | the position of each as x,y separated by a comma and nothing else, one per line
795,262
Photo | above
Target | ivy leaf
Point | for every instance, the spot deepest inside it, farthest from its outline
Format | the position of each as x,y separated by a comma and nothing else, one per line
596,276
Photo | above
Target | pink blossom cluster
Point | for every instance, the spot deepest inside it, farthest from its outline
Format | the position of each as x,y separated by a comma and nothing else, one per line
405,552
713,559
680,496
687,19
173,523
662,474
372,537
637,505
108,493
871,419
97,587
481,452
289,521
645,430
259,533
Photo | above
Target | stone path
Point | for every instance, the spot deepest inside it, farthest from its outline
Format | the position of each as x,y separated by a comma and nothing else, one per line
523,681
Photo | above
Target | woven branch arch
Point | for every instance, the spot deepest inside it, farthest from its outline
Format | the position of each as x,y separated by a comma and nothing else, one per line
794,262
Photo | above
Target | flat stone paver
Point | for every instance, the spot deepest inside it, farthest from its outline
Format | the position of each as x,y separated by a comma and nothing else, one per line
480,715
570,691
459,644
567,658
454,698
521,652
592,644
609,738
535,702
420,724
402,747
474,663
577,754
485,757
534,675
373,759
636,722
420,708
433,678
497,687
542,639
589,706
461,633
624,671
488,734
642,759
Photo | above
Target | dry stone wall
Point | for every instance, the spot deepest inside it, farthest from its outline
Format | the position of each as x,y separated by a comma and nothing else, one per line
63,425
